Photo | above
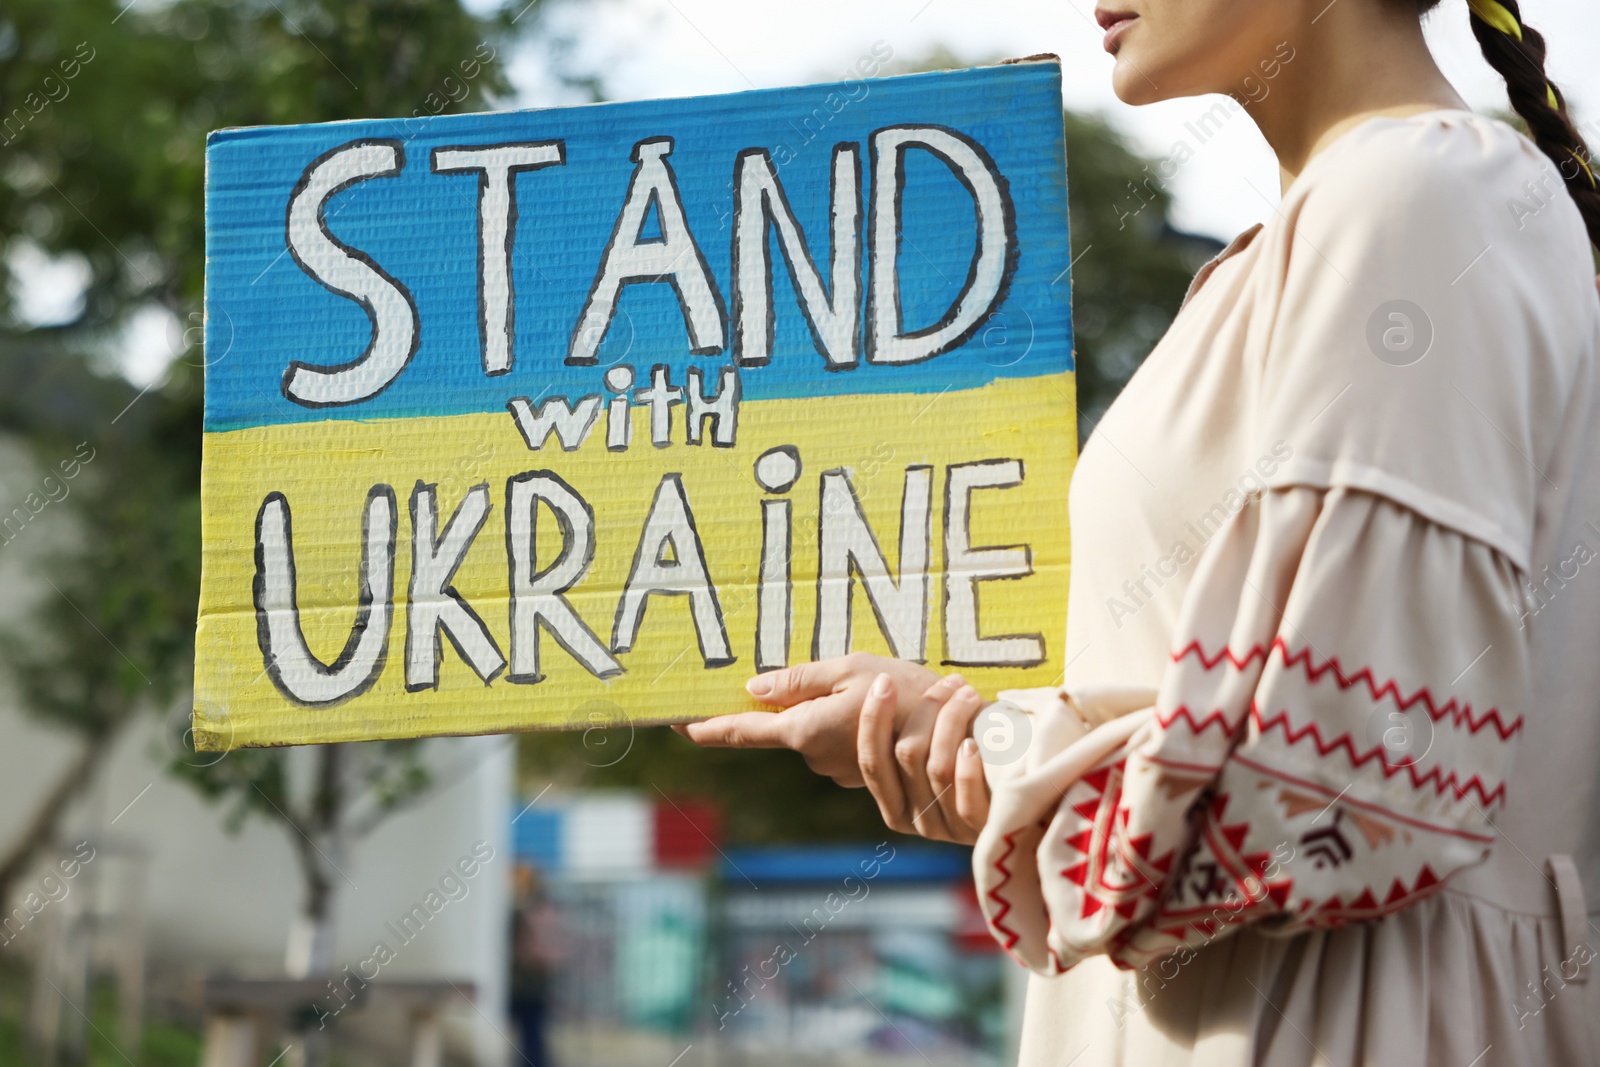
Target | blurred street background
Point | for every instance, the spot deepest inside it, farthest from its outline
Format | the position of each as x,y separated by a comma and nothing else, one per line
613,897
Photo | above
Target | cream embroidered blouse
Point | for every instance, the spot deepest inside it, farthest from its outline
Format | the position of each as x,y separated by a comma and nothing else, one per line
1335,622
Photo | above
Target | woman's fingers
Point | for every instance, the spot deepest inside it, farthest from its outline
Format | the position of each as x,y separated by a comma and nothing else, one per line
953,724
748,729
875,753
939,693
825,731
804,681
896,762
972,789
911,751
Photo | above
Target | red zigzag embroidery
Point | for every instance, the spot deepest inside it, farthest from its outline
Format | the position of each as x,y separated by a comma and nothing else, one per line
1459,714
1216,718
1011,936
1439,782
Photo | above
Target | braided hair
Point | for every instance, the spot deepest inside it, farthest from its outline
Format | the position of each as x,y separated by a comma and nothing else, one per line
1517,52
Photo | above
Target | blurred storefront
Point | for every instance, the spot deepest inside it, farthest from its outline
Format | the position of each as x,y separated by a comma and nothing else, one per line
860,954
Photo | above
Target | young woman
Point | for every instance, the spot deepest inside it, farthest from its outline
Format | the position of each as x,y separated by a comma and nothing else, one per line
1272,815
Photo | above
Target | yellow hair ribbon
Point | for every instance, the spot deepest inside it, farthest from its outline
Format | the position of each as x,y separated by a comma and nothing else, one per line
1584,163
1500,17
1497,15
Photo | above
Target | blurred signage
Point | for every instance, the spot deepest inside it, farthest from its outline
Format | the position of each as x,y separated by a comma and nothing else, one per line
568,417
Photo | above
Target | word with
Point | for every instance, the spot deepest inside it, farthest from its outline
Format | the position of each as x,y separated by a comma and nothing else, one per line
832,310
1251,483
52,890
453,886
55,491
1209,124
1154,977
784,953
571,422
1537,597
670,561
55,90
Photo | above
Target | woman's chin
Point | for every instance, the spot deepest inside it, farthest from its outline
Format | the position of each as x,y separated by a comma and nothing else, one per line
1132,84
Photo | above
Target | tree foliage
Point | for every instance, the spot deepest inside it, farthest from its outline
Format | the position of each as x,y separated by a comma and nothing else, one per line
102,163
114,171
1132,265
110,632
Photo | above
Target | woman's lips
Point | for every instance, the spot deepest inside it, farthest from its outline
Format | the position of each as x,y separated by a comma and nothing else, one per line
1115,23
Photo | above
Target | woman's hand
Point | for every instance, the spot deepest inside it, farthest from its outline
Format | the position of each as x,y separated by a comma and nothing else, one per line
822,705
927,777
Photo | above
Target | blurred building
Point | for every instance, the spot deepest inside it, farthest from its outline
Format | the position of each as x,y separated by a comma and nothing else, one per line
214,901
674,943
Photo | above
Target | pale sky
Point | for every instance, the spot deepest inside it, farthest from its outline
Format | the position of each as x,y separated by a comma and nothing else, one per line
653,48
648,48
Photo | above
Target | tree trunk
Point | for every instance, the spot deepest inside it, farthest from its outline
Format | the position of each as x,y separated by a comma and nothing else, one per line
310,948
41,829
319,846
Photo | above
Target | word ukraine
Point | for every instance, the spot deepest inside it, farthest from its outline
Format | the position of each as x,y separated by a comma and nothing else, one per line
571,315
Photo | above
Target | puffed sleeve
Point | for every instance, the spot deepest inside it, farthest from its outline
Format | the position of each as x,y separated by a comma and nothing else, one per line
1349,664
1327,745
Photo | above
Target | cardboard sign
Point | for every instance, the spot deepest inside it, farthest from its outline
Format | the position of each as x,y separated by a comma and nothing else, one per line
545,419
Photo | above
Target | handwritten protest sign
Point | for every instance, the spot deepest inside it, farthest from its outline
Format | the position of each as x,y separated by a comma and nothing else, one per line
512,417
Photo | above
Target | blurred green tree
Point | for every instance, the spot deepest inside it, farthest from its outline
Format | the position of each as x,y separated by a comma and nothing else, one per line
105,110
113,630
1132,266
1130,273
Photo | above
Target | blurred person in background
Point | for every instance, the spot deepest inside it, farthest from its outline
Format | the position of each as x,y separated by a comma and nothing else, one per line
1271,815
535,954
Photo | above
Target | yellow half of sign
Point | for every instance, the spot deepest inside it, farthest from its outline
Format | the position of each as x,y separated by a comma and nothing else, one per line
326,470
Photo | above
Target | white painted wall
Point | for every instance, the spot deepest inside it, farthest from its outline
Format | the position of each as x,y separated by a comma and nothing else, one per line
220,900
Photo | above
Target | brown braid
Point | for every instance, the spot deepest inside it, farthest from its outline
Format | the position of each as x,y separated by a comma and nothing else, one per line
1519,57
